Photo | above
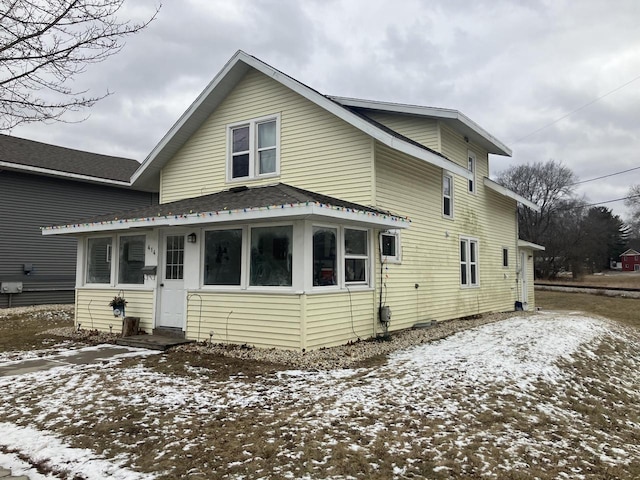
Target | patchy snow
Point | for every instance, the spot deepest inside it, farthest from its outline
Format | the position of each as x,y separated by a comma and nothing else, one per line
43,447
504,387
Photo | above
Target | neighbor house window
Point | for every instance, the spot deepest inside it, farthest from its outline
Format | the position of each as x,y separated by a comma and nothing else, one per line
98,260
222,257
324,256
468,262
505,257
447,195
472,168
271,256
390,246
356,256
131,259
253,148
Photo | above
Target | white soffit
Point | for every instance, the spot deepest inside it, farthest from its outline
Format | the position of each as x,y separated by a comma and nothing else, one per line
530,245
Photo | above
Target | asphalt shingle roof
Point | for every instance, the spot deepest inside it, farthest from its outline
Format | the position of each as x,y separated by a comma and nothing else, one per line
25,152
235,198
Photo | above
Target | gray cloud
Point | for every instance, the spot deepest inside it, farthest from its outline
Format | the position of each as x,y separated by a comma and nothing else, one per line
513,67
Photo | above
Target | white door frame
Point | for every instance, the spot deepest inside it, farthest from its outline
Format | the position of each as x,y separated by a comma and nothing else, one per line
172,292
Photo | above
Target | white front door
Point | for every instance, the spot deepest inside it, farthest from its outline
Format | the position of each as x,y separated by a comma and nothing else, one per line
172,291
524,280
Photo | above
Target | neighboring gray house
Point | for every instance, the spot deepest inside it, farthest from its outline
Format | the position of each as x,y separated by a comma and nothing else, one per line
43,184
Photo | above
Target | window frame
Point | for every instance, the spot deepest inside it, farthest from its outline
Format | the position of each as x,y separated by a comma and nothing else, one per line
254,156
203,254
505,257
468,263
450,197
356,256
397,258
472,163
292,249
114,270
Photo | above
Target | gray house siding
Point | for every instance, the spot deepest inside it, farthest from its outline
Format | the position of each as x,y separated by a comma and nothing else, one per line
28,202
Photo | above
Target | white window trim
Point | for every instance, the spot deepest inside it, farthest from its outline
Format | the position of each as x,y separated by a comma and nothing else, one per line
446,174
244,248
397,258
366,257
253,149
503,250
115,261
339,258
468,262
472,164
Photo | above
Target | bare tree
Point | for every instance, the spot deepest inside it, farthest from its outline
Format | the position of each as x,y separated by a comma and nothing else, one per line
633,203
548,185
44,44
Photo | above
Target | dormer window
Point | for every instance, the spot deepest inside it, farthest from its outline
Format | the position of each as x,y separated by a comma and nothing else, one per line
254,148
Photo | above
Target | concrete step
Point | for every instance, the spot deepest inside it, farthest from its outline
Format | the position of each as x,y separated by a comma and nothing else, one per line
174,332
5,474
152,342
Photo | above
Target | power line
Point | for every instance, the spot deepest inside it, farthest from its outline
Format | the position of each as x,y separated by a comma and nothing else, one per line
605,176
596,204
577,110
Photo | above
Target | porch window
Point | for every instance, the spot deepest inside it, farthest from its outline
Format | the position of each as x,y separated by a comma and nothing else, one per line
468,262
271,256
131,259
98,260
324,256
222,257
253,148
356,257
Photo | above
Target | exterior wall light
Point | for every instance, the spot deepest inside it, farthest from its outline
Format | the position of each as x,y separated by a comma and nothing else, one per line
191,238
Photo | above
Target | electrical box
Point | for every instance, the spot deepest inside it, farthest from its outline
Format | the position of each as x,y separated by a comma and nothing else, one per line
385,314
11,287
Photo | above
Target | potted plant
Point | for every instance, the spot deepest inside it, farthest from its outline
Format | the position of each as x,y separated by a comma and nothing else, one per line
118,303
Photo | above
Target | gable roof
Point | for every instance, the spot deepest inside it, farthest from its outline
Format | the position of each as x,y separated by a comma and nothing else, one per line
226,80
631,251
454,118
237,204
20,154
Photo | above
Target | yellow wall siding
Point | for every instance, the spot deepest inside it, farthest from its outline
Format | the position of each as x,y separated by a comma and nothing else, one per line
337,318
93,310
430,247
421,130
261,320
318,151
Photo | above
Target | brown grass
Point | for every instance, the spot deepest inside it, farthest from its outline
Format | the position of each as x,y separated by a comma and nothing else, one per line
607,279
21,332
624,310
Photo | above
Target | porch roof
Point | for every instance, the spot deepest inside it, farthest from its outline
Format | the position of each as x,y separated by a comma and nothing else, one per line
237,204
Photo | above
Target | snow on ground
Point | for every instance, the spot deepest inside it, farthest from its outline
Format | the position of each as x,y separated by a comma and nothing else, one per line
500,397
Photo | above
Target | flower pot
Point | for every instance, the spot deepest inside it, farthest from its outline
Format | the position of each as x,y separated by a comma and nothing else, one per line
118,311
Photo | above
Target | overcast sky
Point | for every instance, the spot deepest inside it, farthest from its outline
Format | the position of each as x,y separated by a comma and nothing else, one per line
514,67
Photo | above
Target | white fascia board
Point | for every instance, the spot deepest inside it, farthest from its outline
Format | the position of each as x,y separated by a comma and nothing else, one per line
57,173
187,115
431,112
496,187
309,94
242,215
530,245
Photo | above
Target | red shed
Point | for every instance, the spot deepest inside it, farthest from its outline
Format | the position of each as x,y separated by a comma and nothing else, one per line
630,261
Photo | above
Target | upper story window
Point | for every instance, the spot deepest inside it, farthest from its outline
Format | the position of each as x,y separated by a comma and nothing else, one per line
447,195
254,148
472,168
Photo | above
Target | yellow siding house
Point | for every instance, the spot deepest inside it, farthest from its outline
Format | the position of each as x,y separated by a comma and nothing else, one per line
295,220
